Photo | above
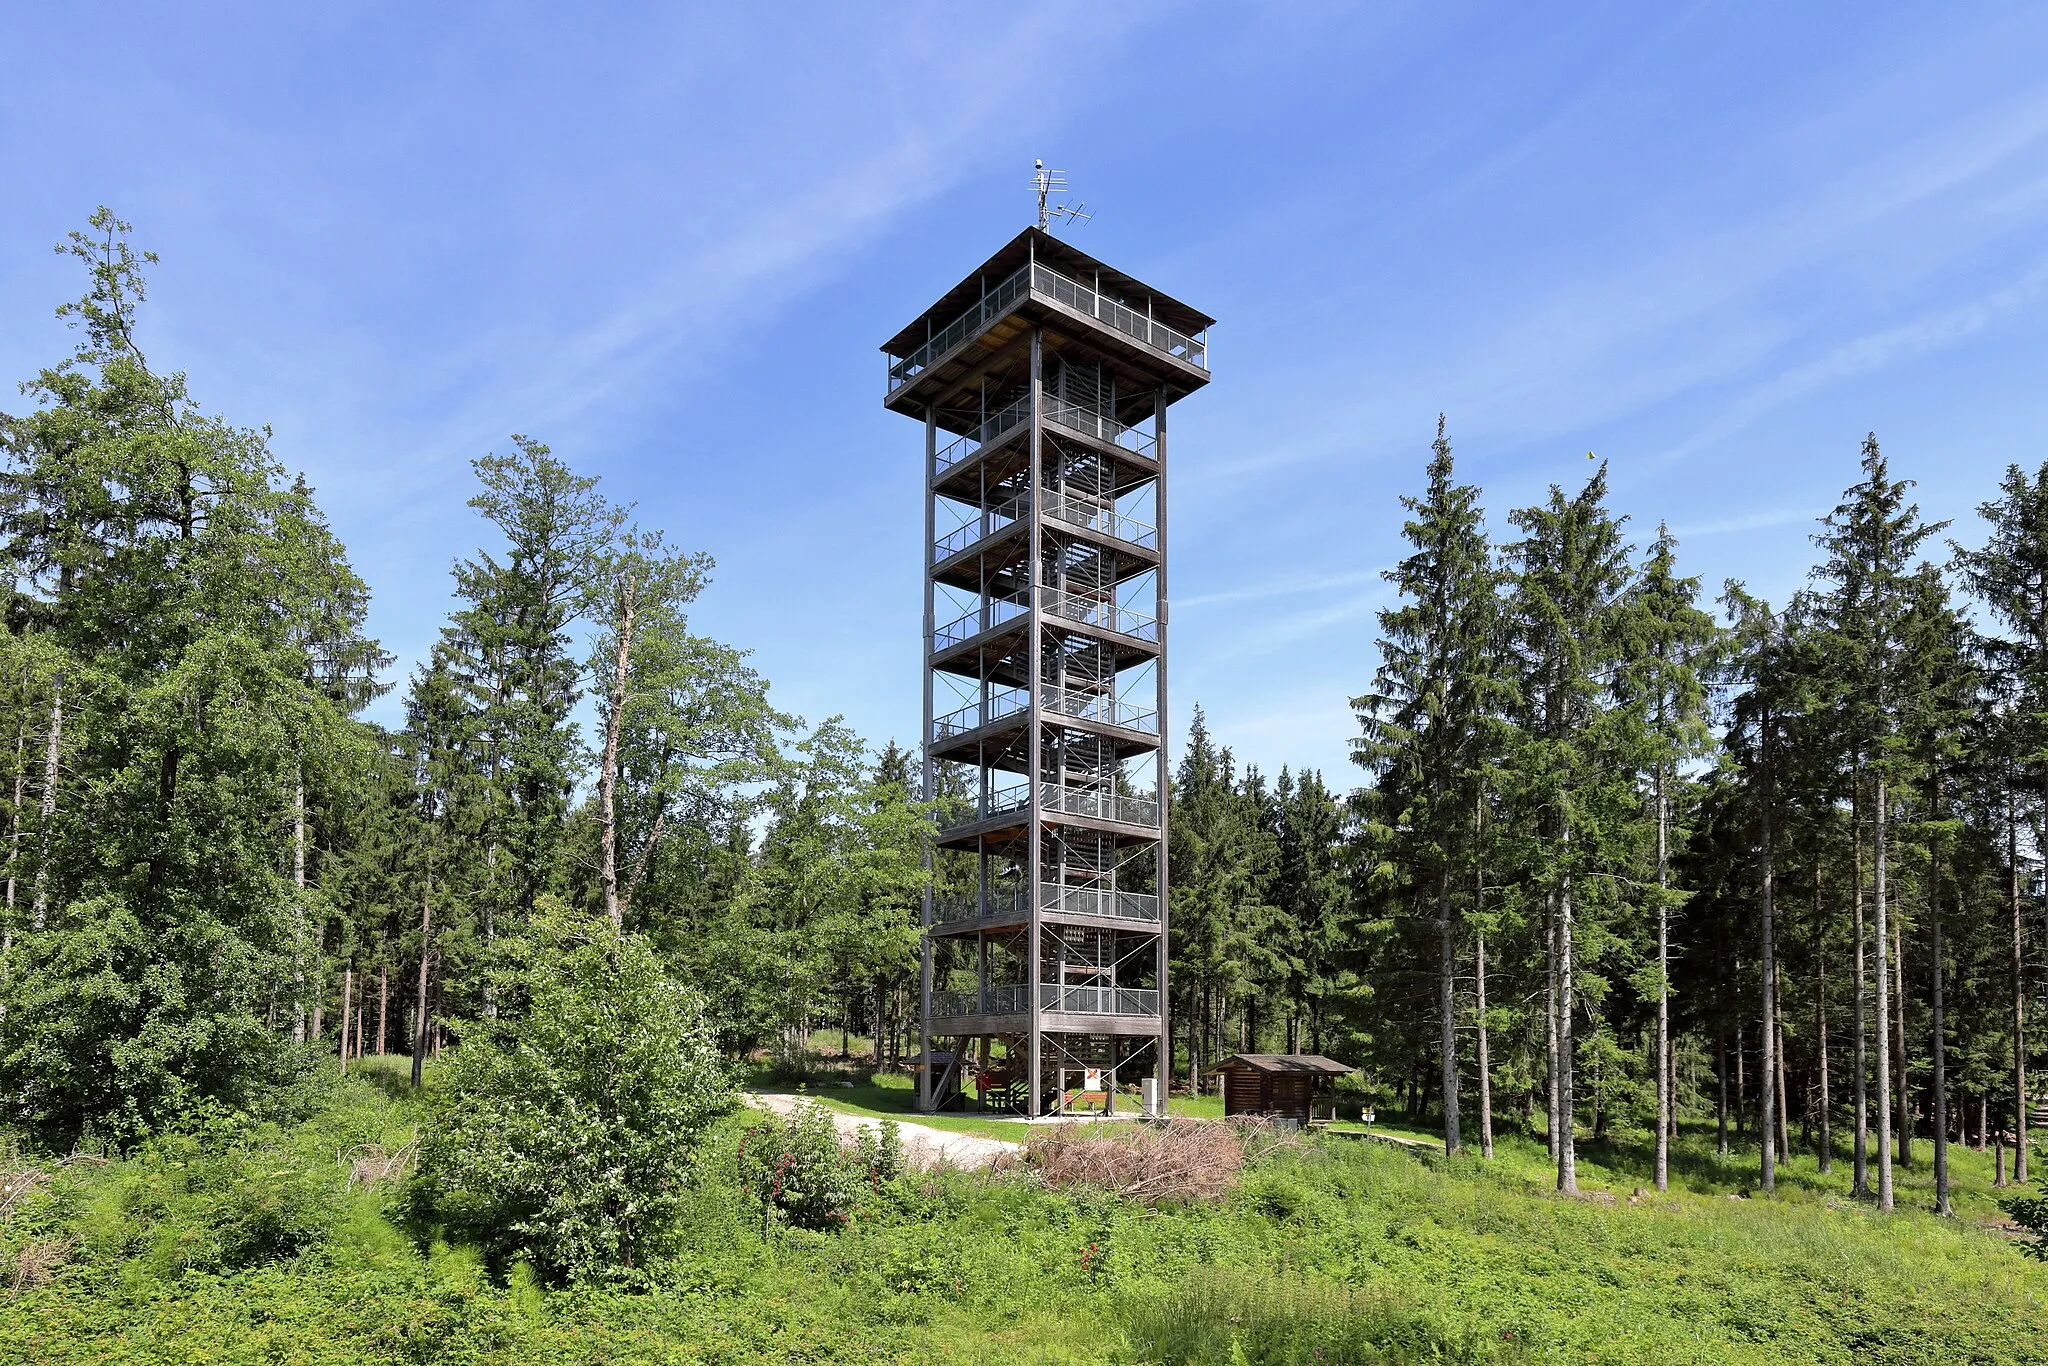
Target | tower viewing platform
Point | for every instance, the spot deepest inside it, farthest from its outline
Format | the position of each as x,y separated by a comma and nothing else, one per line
1043,381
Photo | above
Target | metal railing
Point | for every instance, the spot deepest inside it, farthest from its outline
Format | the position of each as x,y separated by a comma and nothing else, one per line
1099,1000
1101,707
1001,903
999,802
1098,612
975,715
1102,901
1057,287
997,1000
981,528
1101,426
958,449
971,625
1130,322
1060,507
991,305
1106,520
1102,805
999,518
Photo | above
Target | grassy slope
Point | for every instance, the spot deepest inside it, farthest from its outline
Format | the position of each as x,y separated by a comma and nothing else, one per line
1461,1260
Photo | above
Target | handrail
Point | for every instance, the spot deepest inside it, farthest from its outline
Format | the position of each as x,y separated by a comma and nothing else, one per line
999,903
1041,279
1099,612
1101,426
1099,1000
1102,805
1059,898
1130,322
1102,901
1060,506
993,1000
992,520
1102,707
972,717
1002,421
969,626
993,304
1096,517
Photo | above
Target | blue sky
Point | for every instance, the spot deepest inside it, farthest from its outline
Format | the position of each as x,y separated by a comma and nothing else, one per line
1715,245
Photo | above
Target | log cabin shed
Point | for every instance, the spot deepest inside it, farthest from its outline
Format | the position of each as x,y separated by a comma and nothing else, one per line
1297,1086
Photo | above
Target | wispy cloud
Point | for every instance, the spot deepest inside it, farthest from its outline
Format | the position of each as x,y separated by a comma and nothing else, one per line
1754,521
1280,588
1870,353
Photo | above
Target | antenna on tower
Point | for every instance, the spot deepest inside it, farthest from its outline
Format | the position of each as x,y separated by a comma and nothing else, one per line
1050,183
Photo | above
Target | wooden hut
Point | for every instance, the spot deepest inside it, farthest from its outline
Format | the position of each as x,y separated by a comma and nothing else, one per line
1296,1086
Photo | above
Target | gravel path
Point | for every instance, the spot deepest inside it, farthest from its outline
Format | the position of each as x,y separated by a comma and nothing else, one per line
923,1146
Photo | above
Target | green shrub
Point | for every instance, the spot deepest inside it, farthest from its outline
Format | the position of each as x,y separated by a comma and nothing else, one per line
566,1137
797,1172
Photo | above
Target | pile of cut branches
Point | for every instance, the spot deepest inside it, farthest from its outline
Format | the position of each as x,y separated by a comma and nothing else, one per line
1180,1160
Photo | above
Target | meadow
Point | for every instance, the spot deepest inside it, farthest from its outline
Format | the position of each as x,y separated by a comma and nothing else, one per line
244,1241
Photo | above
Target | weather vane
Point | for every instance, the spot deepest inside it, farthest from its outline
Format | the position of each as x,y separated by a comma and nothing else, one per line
1050,183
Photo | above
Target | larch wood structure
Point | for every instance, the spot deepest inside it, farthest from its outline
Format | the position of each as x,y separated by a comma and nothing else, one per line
1043,381
1296,1086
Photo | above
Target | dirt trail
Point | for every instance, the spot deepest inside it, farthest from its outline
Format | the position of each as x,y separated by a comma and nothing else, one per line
923,1146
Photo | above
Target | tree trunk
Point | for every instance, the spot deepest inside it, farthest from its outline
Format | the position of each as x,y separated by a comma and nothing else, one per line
1741,1077
1768,1112
14,812
1447,1005
1485,1061
1550,1016
1942,1206
2019,1001
1721,1091
1860,1188
423,1015
348,986
1784,1067
1820,1031
1567,1145
319,981
608,770
1900,1072
490,906
383,993
1664,1099
52,749
299,912
1884,1007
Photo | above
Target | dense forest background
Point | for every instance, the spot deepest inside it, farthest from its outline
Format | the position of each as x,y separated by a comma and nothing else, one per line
1625,854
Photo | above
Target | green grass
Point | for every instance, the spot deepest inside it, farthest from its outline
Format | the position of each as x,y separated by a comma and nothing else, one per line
245,1246
893,1096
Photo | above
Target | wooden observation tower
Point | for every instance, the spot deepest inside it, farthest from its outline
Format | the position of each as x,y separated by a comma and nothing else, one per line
1043,380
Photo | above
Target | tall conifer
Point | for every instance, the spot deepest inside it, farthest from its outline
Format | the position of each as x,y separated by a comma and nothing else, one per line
1870,541
1672,639
1571,763
2010,576
1427,721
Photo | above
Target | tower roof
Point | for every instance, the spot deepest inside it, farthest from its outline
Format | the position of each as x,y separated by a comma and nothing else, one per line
1034,243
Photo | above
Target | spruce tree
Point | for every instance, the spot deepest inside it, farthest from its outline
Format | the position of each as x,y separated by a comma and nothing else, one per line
1570,766
1870,542
1427,722
2009,575
1670,650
